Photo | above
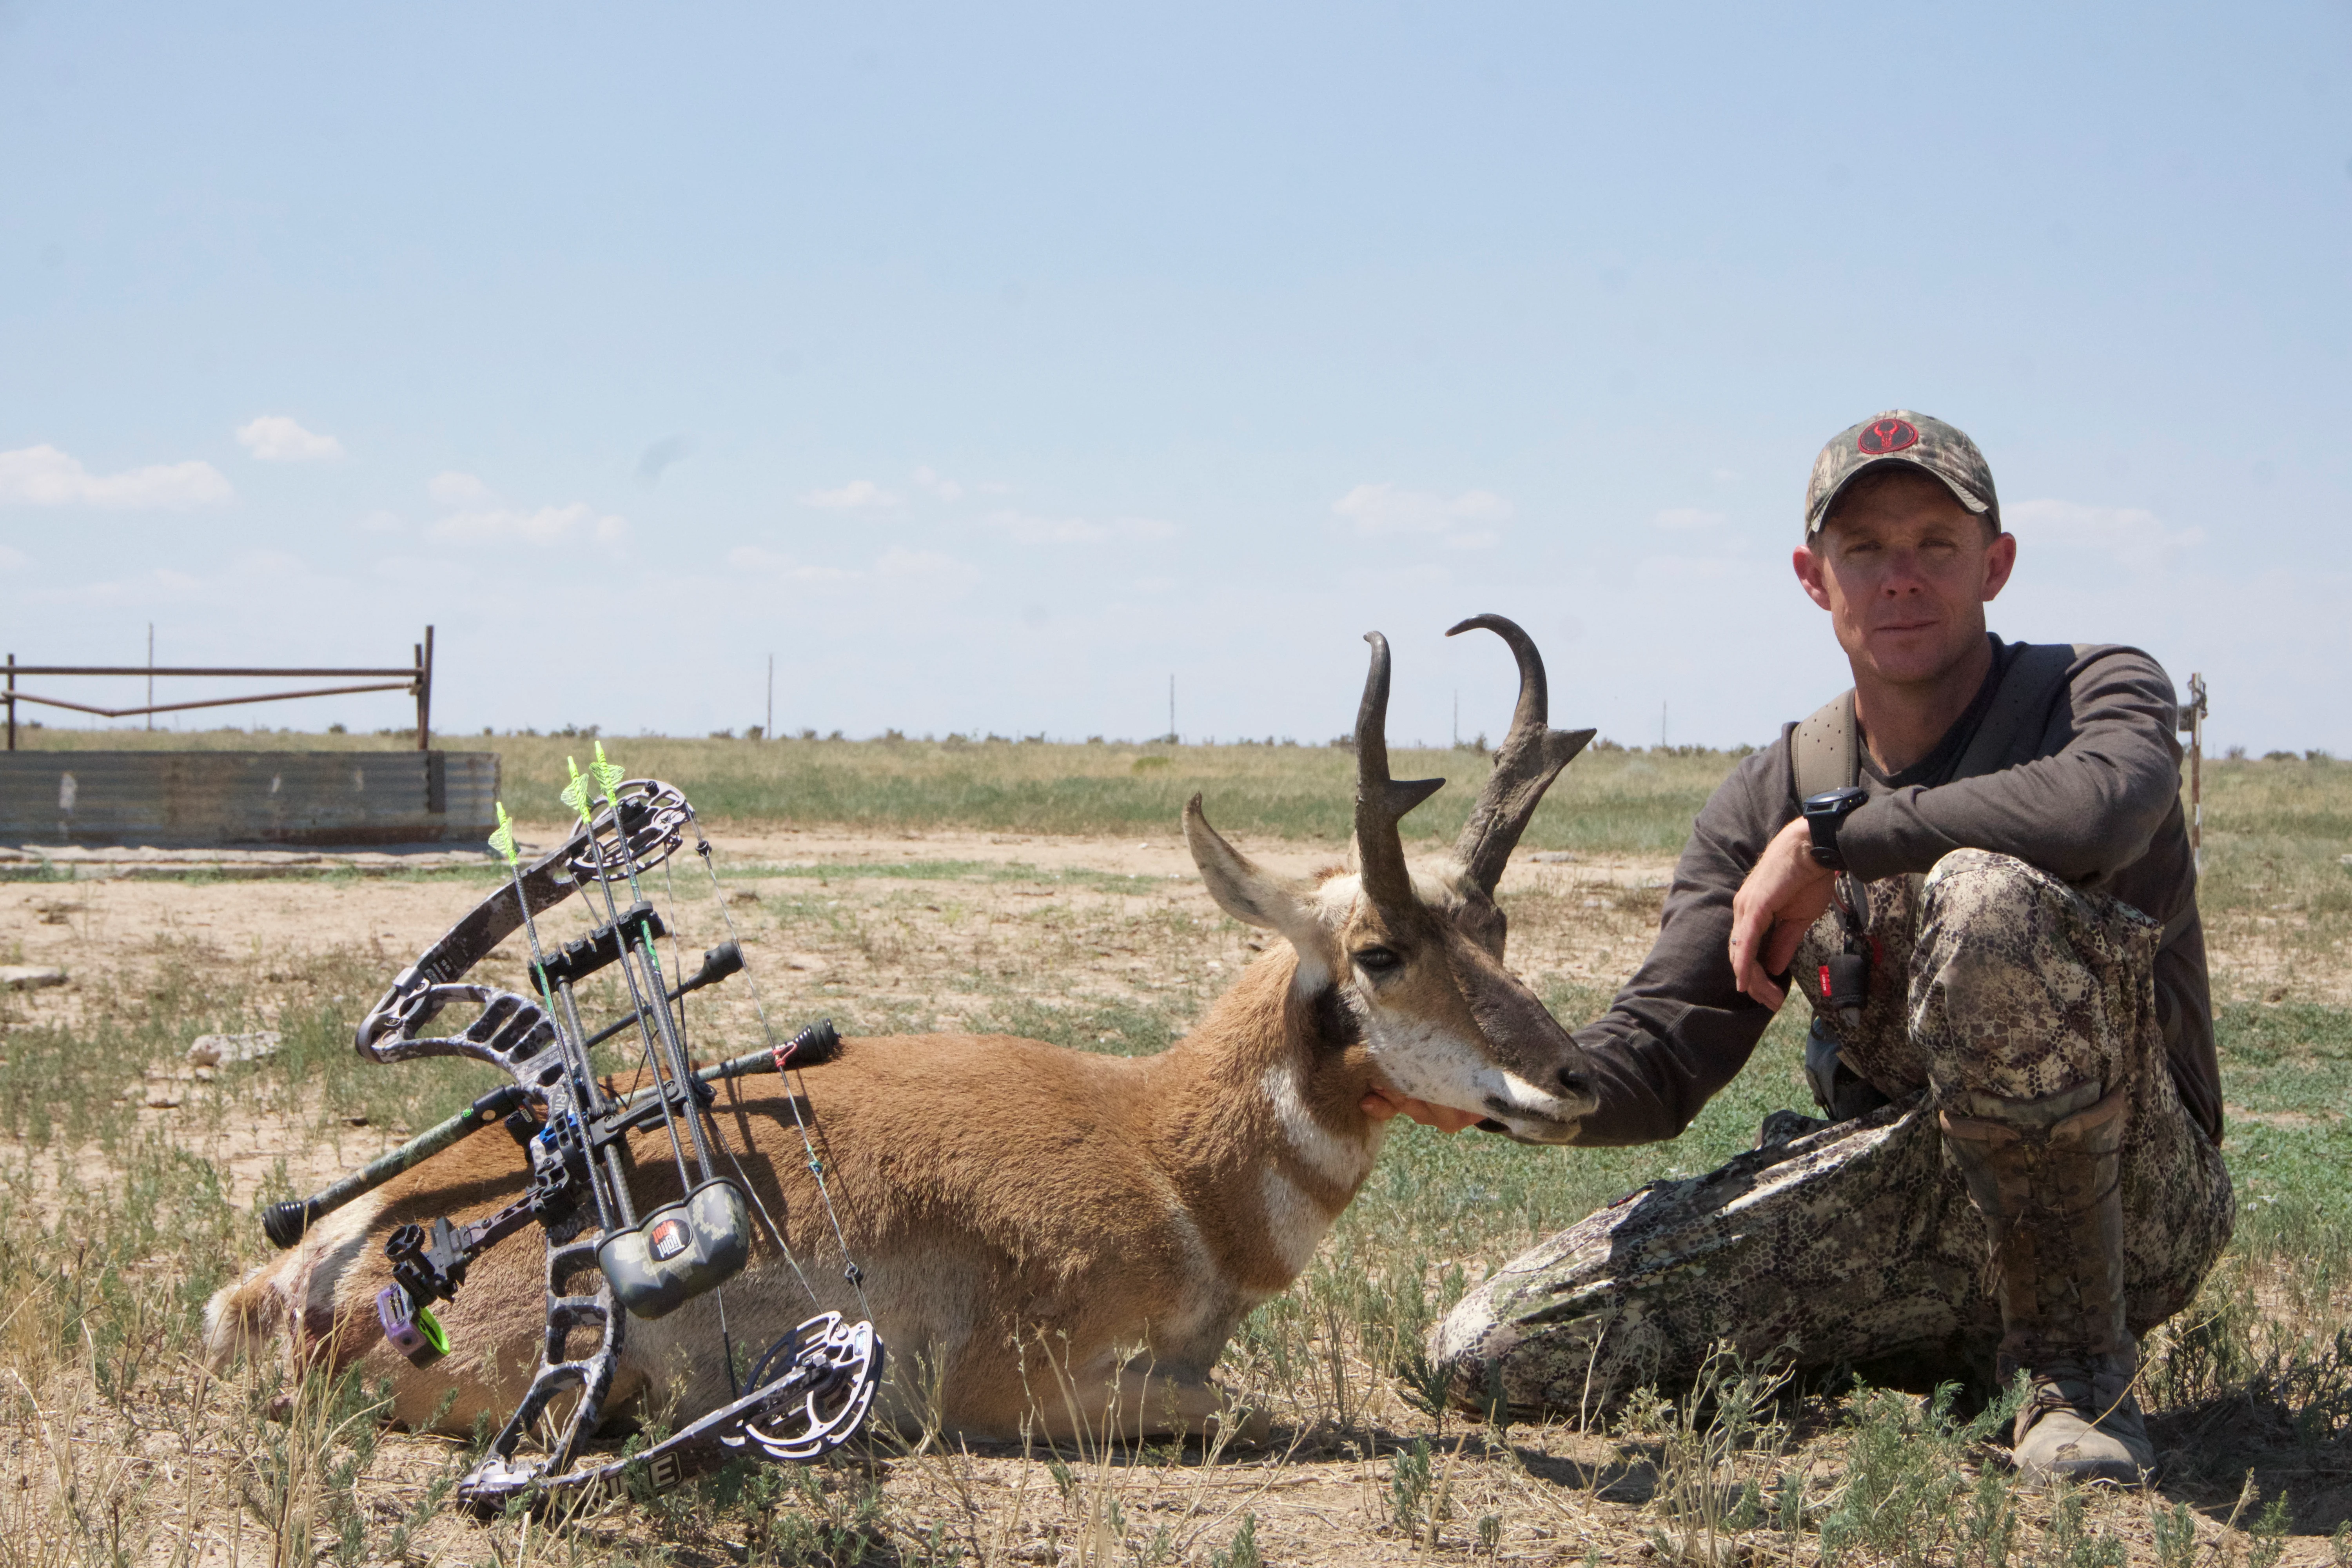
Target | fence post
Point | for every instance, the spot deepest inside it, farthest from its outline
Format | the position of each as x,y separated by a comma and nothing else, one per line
425,692
2192,719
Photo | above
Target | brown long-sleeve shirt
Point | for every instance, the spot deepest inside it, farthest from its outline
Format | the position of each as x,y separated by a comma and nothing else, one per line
2092,793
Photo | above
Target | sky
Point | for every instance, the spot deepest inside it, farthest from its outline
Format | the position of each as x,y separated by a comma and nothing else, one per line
990,366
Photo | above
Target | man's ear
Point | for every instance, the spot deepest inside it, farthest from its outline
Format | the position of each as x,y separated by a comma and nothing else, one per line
1252,894
2001,560
1809,569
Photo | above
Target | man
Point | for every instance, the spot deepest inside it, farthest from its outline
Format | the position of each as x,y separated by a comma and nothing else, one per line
1989,901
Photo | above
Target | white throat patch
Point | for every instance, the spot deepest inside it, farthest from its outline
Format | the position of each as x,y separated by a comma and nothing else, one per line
1340,1161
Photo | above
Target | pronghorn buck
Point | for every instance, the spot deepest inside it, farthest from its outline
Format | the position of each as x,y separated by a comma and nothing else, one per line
1049,1236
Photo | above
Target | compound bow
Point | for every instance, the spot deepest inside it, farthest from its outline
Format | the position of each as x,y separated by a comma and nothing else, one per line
811,1391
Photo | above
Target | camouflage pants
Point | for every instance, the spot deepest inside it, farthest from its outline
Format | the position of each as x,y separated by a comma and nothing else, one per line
1856,1245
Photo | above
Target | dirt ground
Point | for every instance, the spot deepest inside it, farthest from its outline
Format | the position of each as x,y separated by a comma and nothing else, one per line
1542,1495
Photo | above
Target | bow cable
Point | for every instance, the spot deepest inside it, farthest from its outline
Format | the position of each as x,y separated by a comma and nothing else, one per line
607,776
575,796
502,839
854,1274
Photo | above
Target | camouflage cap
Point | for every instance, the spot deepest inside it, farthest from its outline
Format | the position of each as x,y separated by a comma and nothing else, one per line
1899,435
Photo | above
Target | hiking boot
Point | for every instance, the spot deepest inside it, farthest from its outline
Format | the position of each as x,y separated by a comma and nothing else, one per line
2081,1423
2046,1175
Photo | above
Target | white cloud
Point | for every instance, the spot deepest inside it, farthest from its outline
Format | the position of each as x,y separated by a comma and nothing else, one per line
481,519
381,521
547,525
1027,529
275,439
899,562
454,489
939,489
1381,510
753,561
2135,538
43,476
857,495
1687,518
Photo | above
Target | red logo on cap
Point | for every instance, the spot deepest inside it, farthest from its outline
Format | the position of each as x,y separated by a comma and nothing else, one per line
1887,436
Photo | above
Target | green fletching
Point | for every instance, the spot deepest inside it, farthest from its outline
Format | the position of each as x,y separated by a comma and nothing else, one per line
575,793
608,774
502,839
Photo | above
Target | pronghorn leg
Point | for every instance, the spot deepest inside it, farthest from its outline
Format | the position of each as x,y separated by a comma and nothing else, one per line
1135,1404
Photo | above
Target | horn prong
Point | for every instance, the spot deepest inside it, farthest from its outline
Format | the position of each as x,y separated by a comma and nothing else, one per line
1529,758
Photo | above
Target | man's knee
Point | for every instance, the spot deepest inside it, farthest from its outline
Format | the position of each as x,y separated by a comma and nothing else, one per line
2021,984
1988,921
1982,893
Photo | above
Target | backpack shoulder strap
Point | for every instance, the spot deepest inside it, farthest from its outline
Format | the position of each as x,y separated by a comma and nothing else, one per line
2035,680
1825,751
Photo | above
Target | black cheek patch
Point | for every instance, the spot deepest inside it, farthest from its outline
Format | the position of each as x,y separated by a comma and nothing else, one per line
1332,1027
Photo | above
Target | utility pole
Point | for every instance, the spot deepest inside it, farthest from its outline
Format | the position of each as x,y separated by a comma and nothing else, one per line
151,673
769,731
1662,726
1171,706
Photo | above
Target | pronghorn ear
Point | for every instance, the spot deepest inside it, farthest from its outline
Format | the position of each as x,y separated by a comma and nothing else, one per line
1248,891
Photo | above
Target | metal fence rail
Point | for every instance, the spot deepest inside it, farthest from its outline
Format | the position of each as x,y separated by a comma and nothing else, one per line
415,679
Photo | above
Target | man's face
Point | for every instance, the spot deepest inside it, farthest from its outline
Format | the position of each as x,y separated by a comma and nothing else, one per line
1905,572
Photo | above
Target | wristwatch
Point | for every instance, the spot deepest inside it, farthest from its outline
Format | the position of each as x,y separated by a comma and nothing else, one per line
1824,812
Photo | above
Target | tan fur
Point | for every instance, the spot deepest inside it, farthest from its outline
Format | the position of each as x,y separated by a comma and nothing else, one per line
1046,1235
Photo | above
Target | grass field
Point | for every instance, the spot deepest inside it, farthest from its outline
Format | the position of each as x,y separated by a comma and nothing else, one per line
1611,799
117,1221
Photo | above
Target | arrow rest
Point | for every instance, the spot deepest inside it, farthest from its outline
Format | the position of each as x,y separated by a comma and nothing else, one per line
607,1263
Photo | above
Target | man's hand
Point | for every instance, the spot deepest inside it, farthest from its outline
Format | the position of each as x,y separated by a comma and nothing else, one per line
1783,896
1381,1104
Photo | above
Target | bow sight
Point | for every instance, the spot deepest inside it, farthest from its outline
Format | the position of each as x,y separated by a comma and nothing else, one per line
607,1261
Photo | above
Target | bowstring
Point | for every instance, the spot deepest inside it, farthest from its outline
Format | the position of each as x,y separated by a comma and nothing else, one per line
606,775
678,956
547,997
855,1276
612,917
678,1018
775,1232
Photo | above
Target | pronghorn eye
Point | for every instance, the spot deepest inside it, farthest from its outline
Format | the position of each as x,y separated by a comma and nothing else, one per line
1377,961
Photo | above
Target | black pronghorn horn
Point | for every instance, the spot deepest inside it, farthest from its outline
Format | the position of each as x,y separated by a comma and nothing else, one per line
1530,757
1382,801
